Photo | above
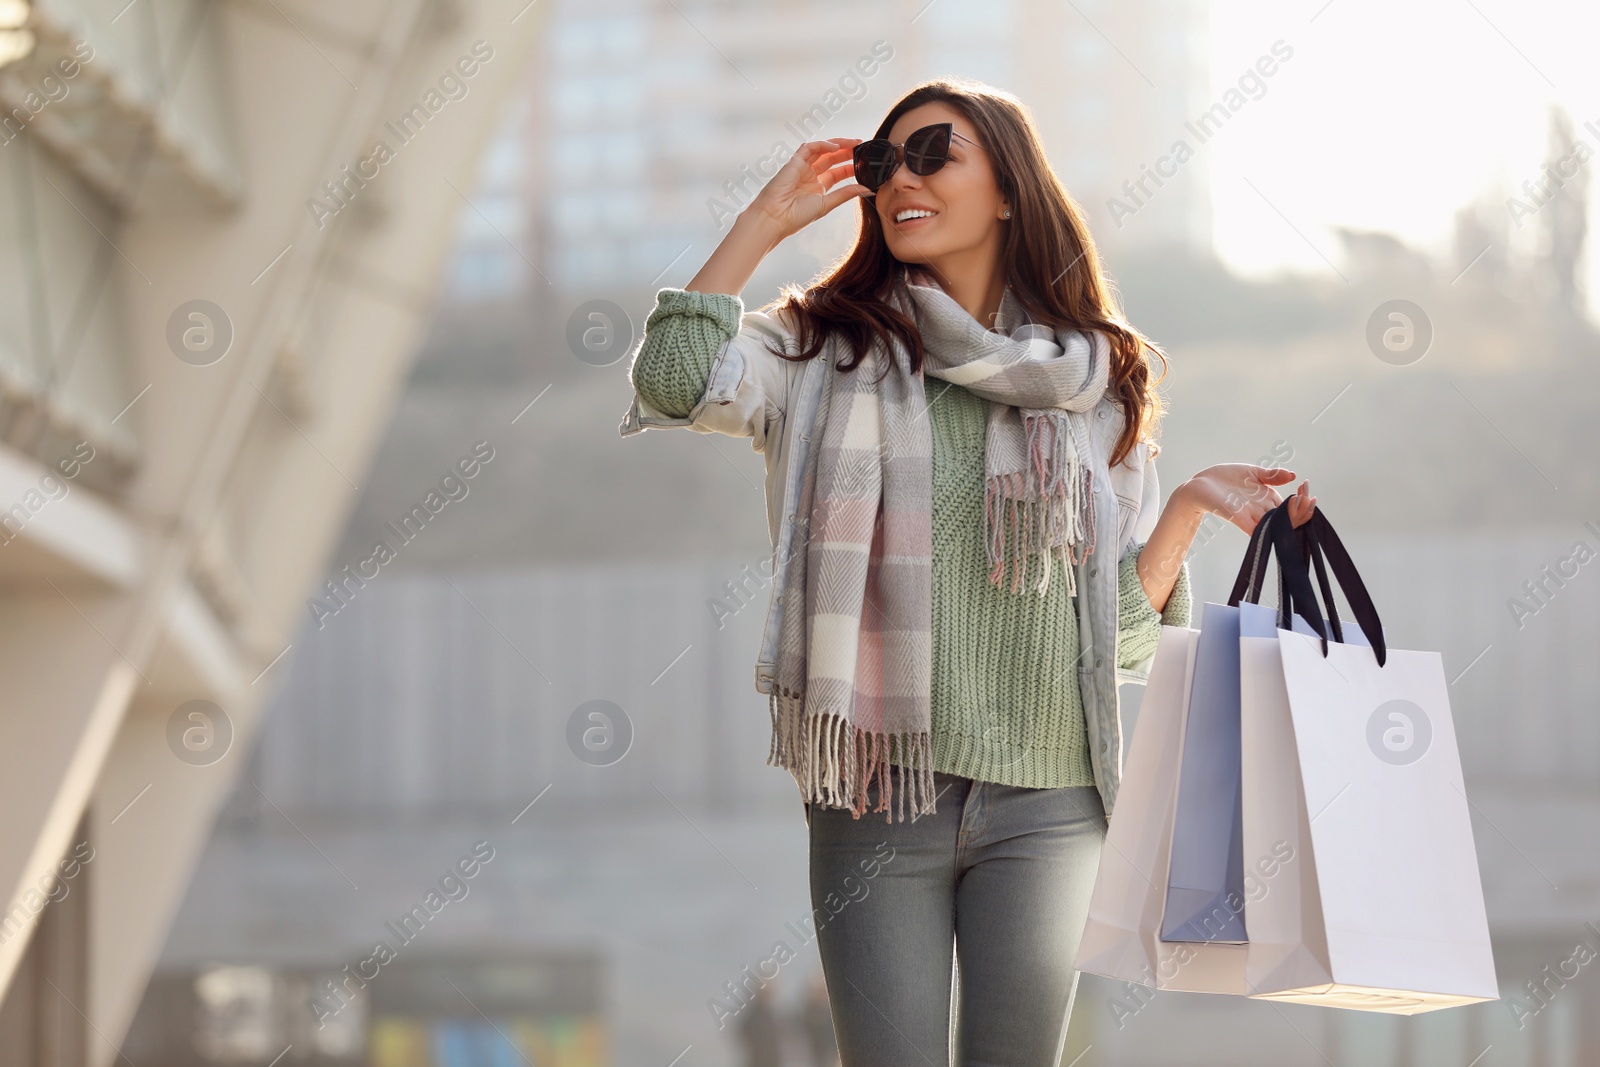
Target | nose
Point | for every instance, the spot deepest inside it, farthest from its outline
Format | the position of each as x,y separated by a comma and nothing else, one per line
904,179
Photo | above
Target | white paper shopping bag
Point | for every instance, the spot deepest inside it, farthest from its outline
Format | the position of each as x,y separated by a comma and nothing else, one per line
1390,829
1352,781
1287,947
1121,938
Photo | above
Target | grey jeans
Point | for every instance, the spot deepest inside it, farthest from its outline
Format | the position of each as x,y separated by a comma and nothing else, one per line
995,883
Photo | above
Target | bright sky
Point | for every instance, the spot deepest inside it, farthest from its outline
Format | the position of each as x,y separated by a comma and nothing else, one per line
1390,115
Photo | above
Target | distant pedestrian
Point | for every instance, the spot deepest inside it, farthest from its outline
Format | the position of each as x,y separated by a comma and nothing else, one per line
761,1032
815,1023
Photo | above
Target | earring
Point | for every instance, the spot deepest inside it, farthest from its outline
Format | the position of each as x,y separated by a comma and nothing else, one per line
1007,214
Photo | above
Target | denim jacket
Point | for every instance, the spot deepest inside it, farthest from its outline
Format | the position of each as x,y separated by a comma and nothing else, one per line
753,393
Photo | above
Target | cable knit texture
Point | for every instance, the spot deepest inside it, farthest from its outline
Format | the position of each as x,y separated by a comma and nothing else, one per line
682,336
1006,706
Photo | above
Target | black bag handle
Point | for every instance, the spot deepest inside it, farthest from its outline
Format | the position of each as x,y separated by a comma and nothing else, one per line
1327,591
1247,586
1253,571
1324,541
1298,548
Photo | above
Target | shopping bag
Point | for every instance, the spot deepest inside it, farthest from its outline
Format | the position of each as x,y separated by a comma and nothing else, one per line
1205,880
1286,938
1288,949
1121,937
1363,884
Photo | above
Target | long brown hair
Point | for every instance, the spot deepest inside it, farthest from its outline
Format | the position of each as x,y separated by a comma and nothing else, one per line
1048,258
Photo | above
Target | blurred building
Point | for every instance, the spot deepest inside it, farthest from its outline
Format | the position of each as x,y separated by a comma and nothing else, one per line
213,281
652,124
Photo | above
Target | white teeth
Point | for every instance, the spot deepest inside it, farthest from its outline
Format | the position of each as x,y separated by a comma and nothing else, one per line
914,213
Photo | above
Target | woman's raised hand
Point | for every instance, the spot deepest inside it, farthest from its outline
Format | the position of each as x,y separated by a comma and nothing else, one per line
804,189
807,186
1242,493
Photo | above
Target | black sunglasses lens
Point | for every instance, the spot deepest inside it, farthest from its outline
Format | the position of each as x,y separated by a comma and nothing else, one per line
875,162
928,149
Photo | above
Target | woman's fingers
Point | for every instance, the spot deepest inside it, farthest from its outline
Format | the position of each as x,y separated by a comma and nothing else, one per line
810,179
820,157
837,173
835,193
1302,505
1307,503
834,197
815,152
1241,493
829,160
828,144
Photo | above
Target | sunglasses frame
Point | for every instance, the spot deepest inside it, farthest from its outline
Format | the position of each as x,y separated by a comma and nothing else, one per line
899,151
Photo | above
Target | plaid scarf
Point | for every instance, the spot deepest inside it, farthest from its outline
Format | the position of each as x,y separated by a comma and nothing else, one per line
853,661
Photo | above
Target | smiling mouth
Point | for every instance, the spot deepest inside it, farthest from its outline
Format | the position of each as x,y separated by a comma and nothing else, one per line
915,220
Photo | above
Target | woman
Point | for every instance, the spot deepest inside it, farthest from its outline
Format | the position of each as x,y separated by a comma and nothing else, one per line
971,551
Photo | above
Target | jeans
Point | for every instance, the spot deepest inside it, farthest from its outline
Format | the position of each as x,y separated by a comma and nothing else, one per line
998,878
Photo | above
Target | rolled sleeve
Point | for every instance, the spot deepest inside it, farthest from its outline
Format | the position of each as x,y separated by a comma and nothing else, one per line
1138,622
682,336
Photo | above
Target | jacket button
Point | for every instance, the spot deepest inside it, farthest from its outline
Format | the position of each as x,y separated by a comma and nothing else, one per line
1093,571
1102,413
1097,661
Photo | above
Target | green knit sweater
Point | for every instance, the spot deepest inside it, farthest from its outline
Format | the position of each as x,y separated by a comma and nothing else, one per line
1006,706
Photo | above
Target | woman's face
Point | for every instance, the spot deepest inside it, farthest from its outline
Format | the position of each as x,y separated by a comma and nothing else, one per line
963,195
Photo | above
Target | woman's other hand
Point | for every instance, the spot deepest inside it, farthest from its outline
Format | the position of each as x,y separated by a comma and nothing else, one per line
1243,492
807,187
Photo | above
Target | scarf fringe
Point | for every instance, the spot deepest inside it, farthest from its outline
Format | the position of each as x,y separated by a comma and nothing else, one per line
835,763
1062,528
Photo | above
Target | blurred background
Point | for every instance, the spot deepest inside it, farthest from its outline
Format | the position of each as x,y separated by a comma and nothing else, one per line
367,699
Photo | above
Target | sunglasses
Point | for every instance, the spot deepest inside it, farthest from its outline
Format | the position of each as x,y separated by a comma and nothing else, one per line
924,151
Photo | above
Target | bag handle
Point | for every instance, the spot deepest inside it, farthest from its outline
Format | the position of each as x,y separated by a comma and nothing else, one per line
1298,548
1323,541
1248,584
1327,592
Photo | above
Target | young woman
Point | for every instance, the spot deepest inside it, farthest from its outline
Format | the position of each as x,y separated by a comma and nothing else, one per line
970,552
